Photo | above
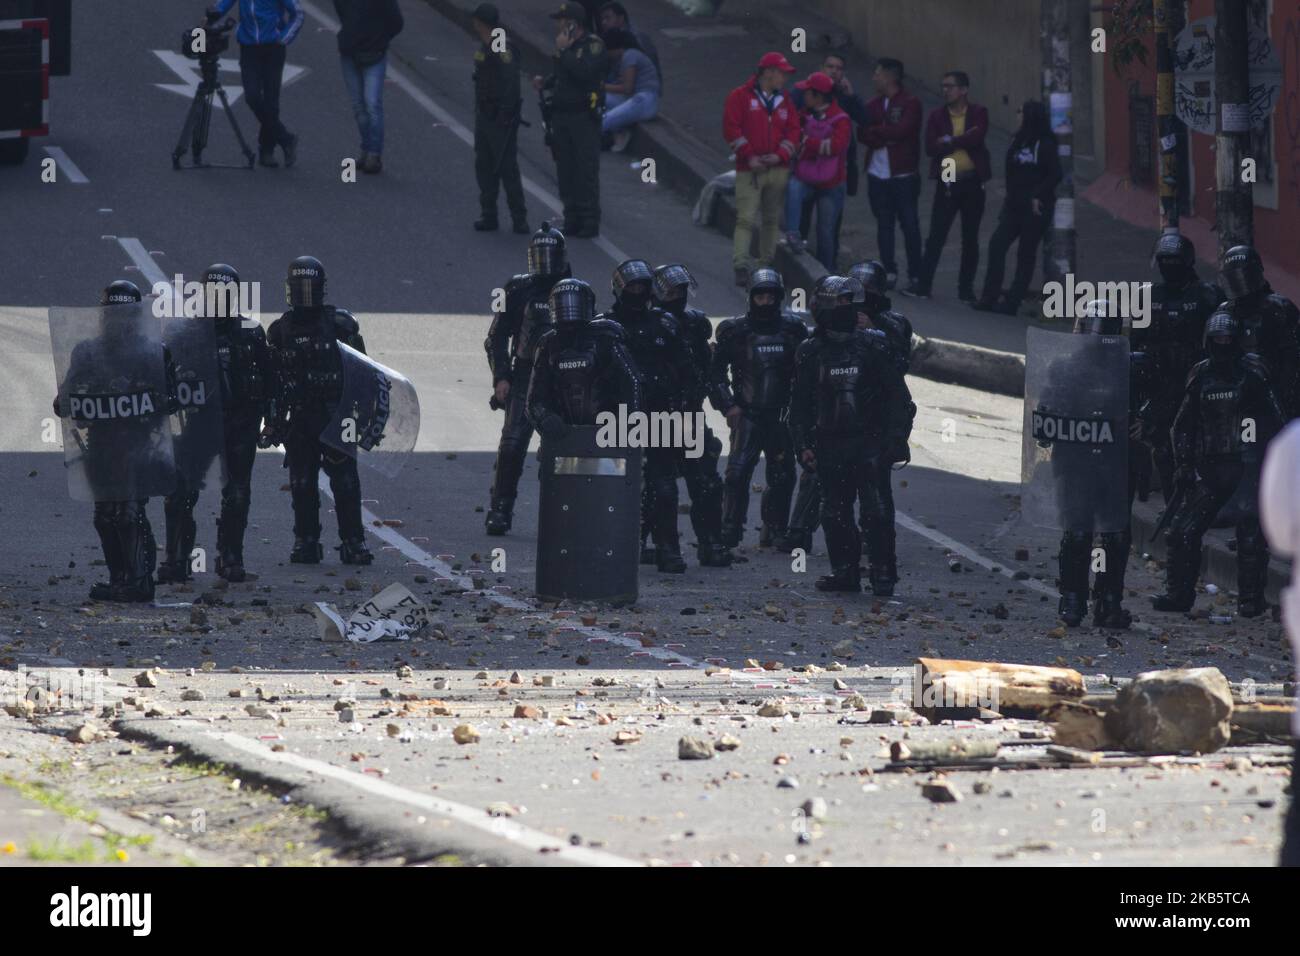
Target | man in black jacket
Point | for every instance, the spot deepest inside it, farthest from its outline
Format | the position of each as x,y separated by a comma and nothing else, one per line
498,112
366,29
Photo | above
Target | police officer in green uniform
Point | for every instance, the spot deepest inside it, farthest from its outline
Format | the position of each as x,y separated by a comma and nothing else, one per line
578,83
497,115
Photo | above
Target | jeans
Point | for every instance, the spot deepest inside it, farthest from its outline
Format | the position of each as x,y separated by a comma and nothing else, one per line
894,200
965,197
830,205
366,88
624,111
261,70
760,201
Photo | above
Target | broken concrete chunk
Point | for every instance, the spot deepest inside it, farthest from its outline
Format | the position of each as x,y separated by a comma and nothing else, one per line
1172,711
692,748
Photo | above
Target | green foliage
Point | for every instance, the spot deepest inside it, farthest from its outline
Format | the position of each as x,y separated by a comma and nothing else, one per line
1130,32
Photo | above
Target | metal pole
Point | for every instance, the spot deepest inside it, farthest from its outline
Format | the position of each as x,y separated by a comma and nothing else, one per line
1165,119
1234,206
1055,16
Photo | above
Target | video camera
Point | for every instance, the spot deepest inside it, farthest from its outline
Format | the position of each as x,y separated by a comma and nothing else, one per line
207,42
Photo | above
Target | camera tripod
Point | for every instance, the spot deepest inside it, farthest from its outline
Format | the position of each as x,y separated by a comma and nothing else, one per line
199,120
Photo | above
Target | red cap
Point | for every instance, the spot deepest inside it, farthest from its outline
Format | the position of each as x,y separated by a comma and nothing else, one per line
816,81
775,61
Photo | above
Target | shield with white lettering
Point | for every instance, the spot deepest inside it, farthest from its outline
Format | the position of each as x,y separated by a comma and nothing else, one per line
1074,465
112,400
197,432
377,420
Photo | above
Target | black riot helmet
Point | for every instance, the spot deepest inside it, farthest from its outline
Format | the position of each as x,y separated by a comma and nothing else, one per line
1098,318
547,255
1175,257
1242,272
875,283
769,281
672,285
123,291
304,286
1222,338
631,283
572,303
221,291
833,303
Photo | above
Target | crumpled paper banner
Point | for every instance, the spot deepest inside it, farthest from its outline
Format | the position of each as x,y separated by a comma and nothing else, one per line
394,614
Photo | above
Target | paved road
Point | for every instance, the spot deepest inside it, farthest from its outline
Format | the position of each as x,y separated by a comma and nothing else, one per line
401,255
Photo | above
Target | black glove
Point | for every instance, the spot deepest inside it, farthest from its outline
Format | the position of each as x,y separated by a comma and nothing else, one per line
553,427
57,411
899,451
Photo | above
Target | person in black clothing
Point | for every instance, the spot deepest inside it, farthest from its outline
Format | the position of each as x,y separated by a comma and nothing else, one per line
1180,305
1211,458
668,378
125,535
849,415
247,377
672,286
511,347
1033,172
753,364
613,16
497,116
309,384
366,29
1270,323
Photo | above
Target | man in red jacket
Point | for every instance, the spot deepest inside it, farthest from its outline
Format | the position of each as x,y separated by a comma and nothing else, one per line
959,161
892,135
761,126
819,172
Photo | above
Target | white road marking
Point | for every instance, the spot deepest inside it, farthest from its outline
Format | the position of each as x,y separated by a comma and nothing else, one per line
187,71
472,816
425,102
143,261
64,163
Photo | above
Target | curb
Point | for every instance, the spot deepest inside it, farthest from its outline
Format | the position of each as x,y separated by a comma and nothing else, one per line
685,165
368,820
1218,564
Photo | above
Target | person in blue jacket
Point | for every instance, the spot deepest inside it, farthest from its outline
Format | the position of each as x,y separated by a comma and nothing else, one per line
266,28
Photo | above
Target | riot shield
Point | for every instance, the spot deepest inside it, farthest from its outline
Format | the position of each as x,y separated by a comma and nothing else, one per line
197,432
1074,466
378,417
589,520
112,398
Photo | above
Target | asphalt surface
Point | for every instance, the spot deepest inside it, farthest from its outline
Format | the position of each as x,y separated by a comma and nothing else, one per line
400,254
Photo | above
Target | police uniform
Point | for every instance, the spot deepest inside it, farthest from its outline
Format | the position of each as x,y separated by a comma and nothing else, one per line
497,114
578,85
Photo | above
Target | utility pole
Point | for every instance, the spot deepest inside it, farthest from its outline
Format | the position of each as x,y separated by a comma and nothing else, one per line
1234,206
1057,93
1165,119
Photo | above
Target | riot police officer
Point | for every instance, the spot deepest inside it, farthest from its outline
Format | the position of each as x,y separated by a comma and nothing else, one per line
125,534
246,376
498,114
576,91
1075,552
1180,304
1229,400
583,365
511,345
663,358
671,286
850,414
753,364
1269,323
305,340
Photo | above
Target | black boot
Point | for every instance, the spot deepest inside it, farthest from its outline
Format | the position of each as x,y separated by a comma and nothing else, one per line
670,561
1181,570
354,551
796,538
500,516
714,554
1073,608
882,578
668,550
106,528
181,533
769,536
1252,572
230,545
1108,610
306,551
850,580
649,554
140,551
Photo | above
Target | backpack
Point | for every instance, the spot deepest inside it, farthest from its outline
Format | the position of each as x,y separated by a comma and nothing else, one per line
820,170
